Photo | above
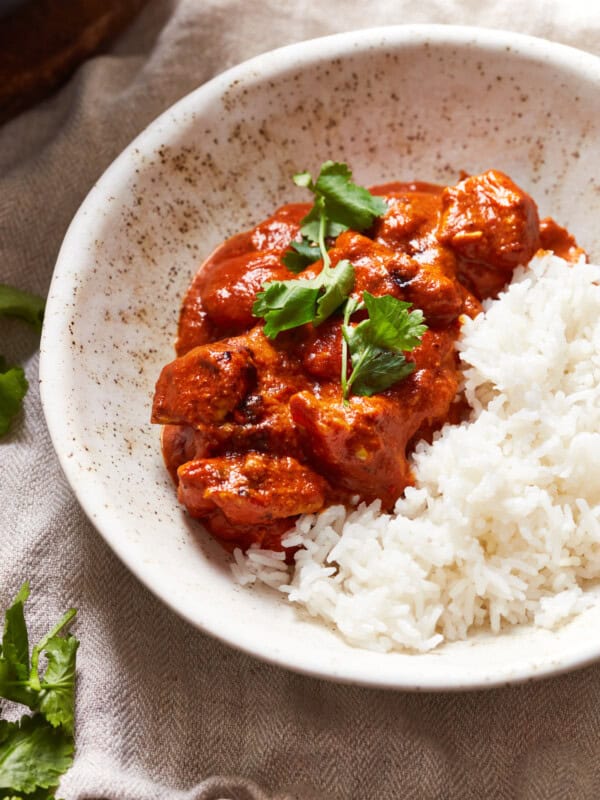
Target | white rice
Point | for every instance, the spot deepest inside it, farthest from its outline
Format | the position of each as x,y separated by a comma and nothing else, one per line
503,525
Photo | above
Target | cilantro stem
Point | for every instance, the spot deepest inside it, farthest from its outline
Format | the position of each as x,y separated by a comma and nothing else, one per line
344,371
356,369
350,307
344,379
322,247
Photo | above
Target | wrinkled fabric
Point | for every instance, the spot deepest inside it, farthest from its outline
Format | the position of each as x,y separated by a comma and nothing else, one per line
164,711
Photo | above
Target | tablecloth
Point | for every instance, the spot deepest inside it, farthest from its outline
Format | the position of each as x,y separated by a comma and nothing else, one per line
164,711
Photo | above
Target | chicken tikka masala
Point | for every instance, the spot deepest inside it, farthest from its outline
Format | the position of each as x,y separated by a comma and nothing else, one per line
259,428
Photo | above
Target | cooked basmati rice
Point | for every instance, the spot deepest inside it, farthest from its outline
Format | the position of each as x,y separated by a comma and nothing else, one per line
503,524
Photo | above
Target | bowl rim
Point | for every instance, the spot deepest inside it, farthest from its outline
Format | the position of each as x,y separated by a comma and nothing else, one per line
53,385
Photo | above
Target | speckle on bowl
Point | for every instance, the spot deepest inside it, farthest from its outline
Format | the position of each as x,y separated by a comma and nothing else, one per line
405,102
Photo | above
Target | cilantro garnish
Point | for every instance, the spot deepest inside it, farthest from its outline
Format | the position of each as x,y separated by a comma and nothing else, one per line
33,756
13,385
17,303
339,205
13,388
301,255
378,343
36,751
288,304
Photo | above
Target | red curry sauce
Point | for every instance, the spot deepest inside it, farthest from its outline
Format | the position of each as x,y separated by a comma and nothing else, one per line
255,431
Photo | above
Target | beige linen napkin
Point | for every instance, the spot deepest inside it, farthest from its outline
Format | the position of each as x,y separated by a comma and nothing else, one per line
164,711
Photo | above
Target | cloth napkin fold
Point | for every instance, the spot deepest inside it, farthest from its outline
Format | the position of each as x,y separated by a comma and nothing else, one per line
163,710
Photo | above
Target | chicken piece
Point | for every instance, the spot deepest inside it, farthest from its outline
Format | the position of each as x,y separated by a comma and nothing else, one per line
194,326
205,385
372,264
423,270
220,298
234,405
250,489
276,232
228,290
321,351
427,278
262,421
428,283
361,446
492,226
411,216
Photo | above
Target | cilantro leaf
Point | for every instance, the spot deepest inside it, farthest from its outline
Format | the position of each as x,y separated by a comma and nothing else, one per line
377,344
301,255
42,644
392,326
57,697
285,305
15,644
310,226
14,654
27,306
33,754
374,368
13,388
339,205
288,304
337,283
13,385
346,203
341,202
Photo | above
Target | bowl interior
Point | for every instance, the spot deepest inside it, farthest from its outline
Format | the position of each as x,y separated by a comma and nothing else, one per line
421,102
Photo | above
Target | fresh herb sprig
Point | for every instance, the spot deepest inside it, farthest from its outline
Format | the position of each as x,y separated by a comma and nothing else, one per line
339,205
288,304
13,388
375,346
38,749
13,384
26,306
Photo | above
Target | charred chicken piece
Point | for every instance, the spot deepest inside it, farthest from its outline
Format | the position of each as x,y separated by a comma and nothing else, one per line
250,489
361,446
492,225
205,385
234,394
219,299
423,270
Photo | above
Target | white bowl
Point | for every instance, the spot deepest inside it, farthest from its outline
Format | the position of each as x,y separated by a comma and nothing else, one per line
395,103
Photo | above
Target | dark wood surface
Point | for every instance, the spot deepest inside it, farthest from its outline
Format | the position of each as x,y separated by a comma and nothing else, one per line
43,41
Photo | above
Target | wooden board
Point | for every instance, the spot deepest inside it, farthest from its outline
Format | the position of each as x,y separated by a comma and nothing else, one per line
43,41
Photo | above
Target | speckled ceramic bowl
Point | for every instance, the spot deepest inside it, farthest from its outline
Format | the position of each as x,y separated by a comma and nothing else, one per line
395,103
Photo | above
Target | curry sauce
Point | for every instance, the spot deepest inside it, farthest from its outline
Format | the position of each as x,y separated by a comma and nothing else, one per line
255,431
